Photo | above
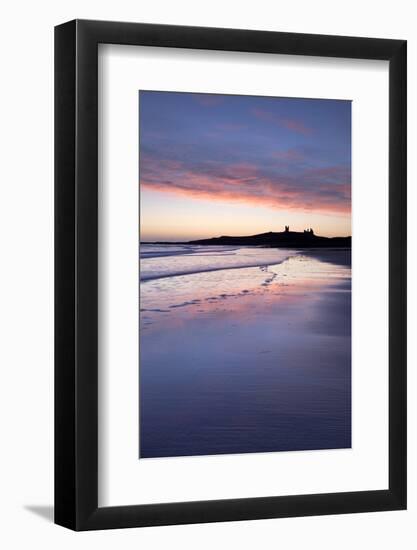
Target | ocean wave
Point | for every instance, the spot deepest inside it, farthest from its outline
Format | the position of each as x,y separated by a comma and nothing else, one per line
162,251
194,270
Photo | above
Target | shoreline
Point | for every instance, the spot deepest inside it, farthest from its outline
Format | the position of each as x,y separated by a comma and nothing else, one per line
337,256
212,270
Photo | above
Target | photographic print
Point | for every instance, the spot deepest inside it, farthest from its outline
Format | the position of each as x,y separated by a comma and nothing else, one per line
245,274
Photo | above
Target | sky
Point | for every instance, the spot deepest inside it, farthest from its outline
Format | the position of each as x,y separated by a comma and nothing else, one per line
212,165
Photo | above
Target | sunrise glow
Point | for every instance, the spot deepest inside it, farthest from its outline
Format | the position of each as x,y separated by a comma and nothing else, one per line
214,165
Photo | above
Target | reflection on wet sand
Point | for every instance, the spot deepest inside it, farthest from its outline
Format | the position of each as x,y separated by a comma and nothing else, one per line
254,359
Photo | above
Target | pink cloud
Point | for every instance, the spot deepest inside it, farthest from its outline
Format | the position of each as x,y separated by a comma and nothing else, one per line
296,126
289,155
290,124
324,190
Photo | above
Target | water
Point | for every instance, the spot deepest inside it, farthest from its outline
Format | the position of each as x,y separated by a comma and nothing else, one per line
243,350
188,259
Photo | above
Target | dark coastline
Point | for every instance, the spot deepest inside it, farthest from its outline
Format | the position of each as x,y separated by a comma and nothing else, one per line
284,239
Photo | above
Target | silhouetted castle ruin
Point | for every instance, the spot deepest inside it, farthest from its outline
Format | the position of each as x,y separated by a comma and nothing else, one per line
308,231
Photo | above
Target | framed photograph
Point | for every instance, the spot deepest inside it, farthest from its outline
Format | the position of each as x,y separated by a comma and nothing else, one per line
230,249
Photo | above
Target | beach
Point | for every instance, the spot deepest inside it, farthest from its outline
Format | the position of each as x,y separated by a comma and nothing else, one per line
243,350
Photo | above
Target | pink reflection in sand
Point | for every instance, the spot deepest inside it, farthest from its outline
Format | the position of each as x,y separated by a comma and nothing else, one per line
246,295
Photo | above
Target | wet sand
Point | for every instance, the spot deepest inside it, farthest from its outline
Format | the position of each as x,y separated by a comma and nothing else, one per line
247,360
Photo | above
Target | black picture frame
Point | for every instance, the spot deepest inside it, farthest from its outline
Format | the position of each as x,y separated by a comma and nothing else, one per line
76,272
